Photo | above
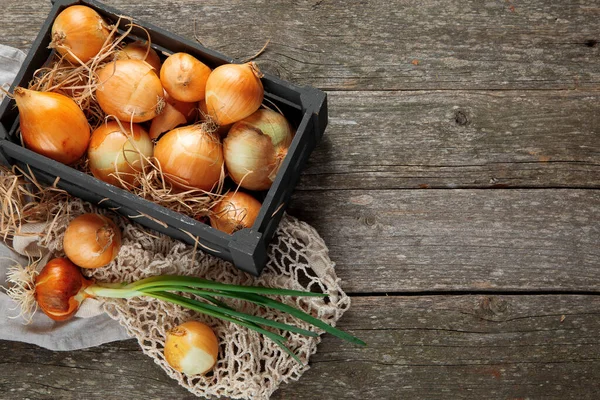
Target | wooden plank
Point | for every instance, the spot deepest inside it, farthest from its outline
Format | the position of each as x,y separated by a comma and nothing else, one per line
465,347
380,45
444,240
452,139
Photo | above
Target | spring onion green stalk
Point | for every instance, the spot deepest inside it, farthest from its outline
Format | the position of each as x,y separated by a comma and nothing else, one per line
62,287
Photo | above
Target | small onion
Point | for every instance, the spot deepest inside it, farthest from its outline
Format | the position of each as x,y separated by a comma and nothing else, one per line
235,211
191,348
139,51
116,149
233,92
190,157
79,32
59,289
130,90
174,114
255,147
92,241
184,77
52,125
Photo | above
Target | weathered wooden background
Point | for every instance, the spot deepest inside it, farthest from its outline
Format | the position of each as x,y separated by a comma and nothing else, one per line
457,186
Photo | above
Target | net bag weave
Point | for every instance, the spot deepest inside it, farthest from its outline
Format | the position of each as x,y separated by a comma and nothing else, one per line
249,366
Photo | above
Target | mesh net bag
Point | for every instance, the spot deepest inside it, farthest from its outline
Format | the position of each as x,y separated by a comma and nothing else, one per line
249,366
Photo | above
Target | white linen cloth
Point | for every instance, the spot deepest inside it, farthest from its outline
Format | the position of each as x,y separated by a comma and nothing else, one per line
90,327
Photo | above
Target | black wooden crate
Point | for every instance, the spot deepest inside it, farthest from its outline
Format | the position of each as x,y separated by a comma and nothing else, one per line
305,108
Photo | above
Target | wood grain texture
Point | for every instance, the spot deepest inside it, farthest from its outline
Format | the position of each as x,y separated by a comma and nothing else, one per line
423,347
445,240
432,94
380,45
453,139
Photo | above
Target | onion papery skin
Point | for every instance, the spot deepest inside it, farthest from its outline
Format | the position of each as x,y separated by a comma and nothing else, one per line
130,90
174,114
80,30
184,77
59,289
235,211
139,51
189,156
233,92
117,149
52,125
221,130
92,241
191,348
255,147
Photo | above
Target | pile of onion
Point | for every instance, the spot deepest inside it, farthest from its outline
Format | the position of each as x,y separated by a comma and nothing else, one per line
155,139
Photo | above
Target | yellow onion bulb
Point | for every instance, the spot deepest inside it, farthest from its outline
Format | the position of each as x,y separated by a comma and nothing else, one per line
184,77
190,157
117,150
191,348
52,125
255,148
59,289
174,114
130,90
139,51
92,241
79,32
233,92
234,211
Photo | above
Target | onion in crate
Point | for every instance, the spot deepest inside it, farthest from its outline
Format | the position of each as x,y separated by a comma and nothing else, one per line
233,92
190,156
234,211
52,125
184,77
255,148
78,33
130,90
116,149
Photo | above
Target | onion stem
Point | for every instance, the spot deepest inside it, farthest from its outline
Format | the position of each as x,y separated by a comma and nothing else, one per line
268,302
225,309
112,292
188,281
